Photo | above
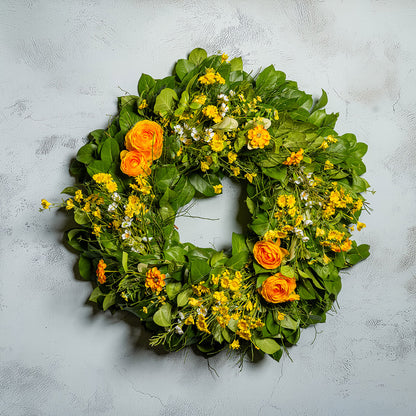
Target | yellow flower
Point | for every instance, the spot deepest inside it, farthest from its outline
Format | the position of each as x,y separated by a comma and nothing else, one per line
331,139
201,324
235,170
78,195
124,296
328,165
200,99
217,144
144,309
276,115
45,204
360,225
224,57
204,166
69,204
295,158
250,176
319,232
189,320
111,187
258,137
324,145
217,189
235,345
290,201
220,297
280,316
211,77
281,201
97,230
194,302
142,105
232,157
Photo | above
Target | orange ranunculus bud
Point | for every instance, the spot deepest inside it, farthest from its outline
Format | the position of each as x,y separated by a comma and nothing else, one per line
279,288
134,163
269,254
146,137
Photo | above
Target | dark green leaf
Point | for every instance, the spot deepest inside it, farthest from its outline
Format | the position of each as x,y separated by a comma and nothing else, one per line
199,270
110,150
84,267
86,154
146,83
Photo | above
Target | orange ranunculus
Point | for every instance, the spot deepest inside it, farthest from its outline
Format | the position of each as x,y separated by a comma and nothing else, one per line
279,288
134,163
269,254
146,137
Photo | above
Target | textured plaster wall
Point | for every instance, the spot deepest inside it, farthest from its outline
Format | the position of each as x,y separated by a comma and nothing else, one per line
63,63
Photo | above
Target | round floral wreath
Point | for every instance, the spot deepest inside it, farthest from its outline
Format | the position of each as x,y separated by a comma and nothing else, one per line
175,141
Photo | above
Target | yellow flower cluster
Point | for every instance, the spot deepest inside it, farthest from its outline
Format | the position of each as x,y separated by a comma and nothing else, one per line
106,180
295,158
211,77
337,199
211,111
246,324
134,207
217,143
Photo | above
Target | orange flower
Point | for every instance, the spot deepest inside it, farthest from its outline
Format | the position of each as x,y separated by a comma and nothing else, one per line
269,254
279,288
155,280
146,137
134,163
100,272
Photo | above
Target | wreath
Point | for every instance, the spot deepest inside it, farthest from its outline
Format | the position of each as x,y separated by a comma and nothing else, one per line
175,141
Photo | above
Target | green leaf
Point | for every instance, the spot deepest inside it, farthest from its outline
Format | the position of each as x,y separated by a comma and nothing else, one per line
287,271
81,217
110,150
267,78
165,176
218,259
260,225
317,117
95,294
109,300
199,270
261,278
98,166
69,190
127,119
197,56
204,185
217,333
182,68
322,102
250,205
175,254
86,153
127,100
146,83
289,323
238,244
84,267
184,193
124,260
237,261
163,316
183,297
165,102
267,345
172,289
236,64
275,173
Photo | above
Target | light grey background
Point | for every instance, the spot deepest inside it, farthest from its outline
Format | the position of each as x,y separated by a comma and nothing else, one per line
63,63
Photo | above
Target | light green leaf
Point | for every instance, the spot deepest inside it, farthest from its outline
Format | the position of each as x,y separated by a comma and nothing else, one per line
182,68
81,217
197,56
236,64
267,345
127,119
237,261
287,271
322,102
163,316
165,102
124,260
172,289
95,294
289,323
146,83
183,297
238,244
109,300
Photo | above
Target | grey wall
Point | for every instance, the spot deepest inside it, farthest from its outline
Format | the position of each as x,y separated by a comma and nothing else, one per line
63,63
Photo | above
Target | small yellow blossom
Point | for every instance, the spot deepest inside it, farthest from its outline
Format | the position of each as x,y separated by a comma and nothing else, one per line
295,158
45,204
217,189
360,225
319,232
280,316
281,201
290,201
144,309
235,345
224,57
204,166
97,230
142,105
250,176
78,195
331,139
276,115
231,157
189,320
217,143
124,296
235,170
69,204
324,145
328,165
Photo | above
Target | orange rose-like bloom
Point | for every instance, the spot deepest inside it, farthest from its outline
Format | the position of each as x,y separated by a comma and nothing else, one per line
146,137
269,254
134,163
279,288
